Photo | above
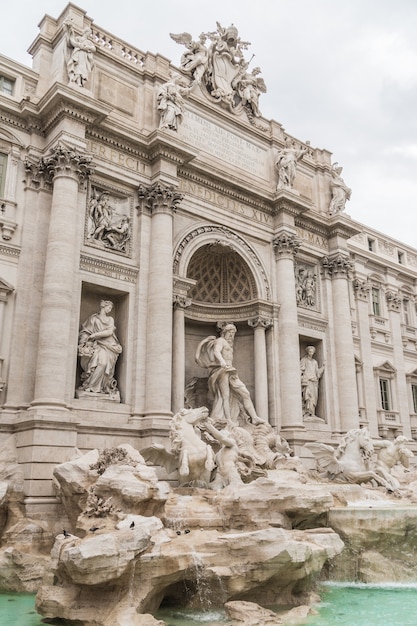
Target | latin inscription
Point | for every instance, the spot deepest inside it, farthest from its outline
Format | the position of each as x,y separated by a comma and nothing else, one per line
224,202
315,240
117,157
224,145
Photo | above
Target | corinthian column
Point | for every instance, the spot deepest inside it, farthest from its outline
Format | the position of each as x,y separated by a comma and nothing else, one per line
67,168
161,201
337,267
260,324
286,246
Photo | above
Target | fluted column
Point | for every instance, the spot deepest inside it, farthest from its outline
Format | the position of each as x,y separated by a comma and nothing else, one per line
286,246
337,267
178,352
161,200
394,304
67,167
260,324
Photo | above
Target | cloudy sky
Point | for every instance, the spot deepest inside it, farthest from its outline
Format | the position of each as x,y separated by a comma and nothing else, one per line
339,73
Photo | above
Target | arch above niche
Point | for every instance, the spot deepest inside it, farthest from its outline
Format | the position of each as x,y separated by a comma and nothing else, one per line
209,234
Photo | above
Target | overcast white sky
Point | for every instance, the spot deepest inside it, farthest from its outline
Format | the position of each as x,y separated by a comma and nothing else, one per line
339,73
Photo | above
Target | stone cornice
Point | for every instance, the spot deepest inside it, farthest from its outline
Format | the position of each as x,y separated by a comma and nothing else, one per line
115,141
287,201
237,312
61,101
103,267
160,145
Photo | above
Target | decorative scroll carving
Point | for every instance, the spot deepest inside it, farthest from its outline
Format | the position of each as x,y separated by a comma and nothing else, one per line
181,302
394,301
222,71
260,320
67,160
286,244
159,197
361,288
337,265
305,286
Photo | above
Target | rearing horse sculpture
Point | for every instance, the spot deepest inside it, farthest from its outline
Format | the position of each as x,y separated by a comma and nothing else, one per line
351,462
189,454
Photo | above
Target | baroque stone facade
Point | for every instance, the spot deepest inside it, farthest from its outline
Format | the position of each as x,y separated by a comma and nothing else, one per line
160,189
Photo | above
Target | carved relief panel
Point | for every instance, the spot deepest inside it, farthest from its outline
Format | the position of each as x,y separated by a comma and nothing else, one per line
108,223
307,286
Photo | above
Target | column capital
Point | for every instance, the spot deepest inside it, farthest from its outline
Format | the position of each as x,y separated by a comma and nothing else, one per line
65,160
337,265
260,321
361,289
394,301
159,197
286,245
181,302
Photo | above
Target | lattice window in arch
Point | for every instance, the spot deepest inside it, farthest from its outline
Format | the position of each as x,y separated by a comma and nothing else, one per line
222,276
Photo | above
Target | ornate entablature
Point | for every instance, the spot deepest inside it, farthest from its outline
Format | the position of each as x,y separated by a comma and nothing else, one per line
216,62
102,267
108,222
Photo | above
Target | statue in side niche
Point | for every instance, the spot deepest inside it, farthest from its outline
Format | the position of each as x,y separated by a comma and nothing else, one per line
99,349
170,101
225,386
286,165
310,376
81,56
388,454
340,191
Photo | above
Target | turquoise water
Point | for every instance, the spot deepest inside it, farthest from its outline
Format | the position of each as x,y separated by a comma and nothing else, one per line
342,604
18,609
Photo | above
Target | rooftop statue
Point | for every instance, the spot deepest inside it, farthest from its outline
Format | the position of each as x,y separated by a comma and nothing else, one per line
340,191
221,69
81,55
170,101
286,164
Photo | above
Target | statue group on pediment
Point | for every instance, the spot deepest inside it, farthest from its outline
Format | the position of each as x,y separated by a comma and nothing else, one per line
221,70
107,226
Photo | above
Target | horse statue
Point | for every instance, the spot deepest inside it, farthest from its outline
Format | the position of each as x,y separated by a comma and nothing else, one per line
190,455
351,461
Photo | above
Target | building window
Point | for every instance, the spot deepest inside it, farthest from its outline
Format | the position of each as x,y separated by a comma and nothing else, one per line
6,85
376,301
371,244
385,394
414,392
3,166
400,256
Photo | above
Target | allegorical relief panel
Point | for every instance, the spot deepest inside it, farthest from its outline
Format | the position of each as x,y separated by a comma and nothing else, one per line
109,220
306,286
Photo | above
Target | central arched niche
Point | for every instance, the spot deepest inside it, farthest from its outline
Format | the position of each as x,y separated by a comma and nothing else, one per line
225,290
222,276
